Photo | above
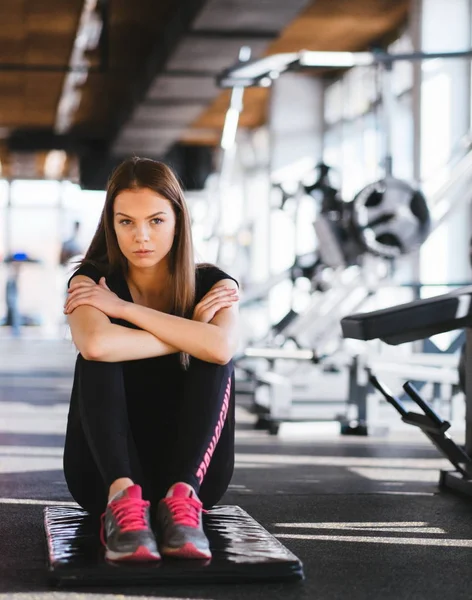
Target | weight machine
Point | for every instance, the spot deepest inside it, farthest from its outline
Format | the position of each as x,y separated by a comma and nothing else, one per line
365,222
307,339
415,321
387,219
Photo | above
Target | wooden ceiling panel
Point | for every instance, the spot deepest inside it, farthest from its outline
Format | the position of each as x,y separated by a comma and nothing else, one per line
12,31
12,17
29,30
349,25
11,84
32,34
341,25
39,89
58,16
29,100
11,49
250,117
36,118
50,31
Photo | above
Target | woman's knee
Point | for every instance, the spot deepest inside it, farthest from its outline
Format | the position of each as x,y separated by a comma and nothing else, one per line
97,365
103,374
89,493
213,489
210,371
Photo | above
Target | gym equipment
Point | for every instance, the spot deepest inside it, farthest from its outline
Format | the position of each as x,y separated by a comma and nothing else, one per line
390,217
415,321
336,247
305,357
284,195
262,72
462,358
316,329
306,265
329,198
243,551
432,425
387,218
302,355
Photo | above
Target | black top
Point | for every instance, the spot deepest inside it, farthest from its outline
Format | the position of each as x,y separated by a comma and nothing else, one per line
206,276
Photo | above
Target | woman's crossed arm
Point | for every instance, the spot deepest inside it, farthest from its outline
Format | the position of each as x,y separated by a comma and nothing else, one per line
212,334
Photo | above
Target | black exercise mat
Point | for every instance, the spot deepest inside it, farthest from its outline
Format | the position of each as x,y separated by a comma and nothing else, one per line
242,549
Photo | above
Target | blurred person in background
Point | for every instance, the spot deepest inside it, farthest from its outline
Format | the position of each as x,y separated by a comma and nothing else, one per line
71,247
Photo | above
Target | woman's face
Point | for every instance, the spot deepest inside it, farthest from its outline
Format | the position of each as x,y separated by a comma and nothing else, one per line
144,223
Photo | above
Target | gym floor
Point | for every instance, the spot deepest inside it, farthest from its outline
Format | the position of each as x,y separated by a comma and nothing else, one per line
363,514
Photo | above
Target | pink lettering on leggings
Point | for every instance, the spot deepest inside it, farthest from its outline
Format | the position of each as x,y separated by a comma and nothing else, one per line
202,469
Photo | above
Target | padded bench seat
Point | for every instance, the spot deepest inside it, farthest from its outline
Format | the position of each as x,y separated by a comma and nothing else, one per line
412,321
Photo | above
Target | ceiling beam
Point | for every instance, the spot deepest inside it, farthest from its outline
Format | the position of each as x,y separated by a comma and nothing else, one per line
179,24
174,101
232,34
44,68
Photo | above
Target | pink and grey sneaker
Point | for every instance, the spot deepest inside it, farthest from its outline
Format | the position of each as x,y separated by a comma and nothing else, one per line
126,531
179,519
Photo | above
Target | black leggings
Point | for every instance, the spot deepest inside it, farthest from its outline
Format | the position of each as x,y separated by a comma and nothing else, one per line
179,427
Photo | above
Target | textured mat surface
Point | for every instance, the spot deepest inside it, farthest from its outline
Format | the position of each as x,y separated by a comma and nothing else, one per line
242,551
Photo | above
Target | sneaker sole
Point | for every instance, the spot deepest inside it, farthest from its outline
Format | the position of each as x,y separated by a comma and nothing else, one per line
188,550
142,554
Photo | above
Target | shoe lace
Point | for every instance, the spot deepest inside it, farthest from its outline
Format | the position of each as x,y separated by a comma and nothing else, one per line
129,514
185,511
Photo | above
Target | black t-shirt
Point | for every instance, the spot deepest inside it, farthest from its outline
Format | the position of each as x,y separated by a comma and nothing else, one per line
206,276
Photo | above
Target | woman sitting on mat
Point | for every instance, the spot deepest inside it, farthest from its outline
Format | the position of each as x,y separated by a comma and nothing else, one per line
152,406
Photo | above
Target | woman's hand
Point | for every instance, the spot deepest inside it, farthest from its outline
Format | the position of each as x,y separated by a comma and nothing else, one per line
97,295
216,299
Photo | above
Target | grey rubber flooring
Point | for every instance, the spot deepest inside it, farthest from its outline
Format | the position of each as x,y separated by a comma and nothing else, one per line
363,514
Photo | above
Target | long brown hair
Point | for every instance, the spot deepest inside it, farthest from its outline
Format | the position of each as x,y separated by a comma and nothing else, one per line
104,252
